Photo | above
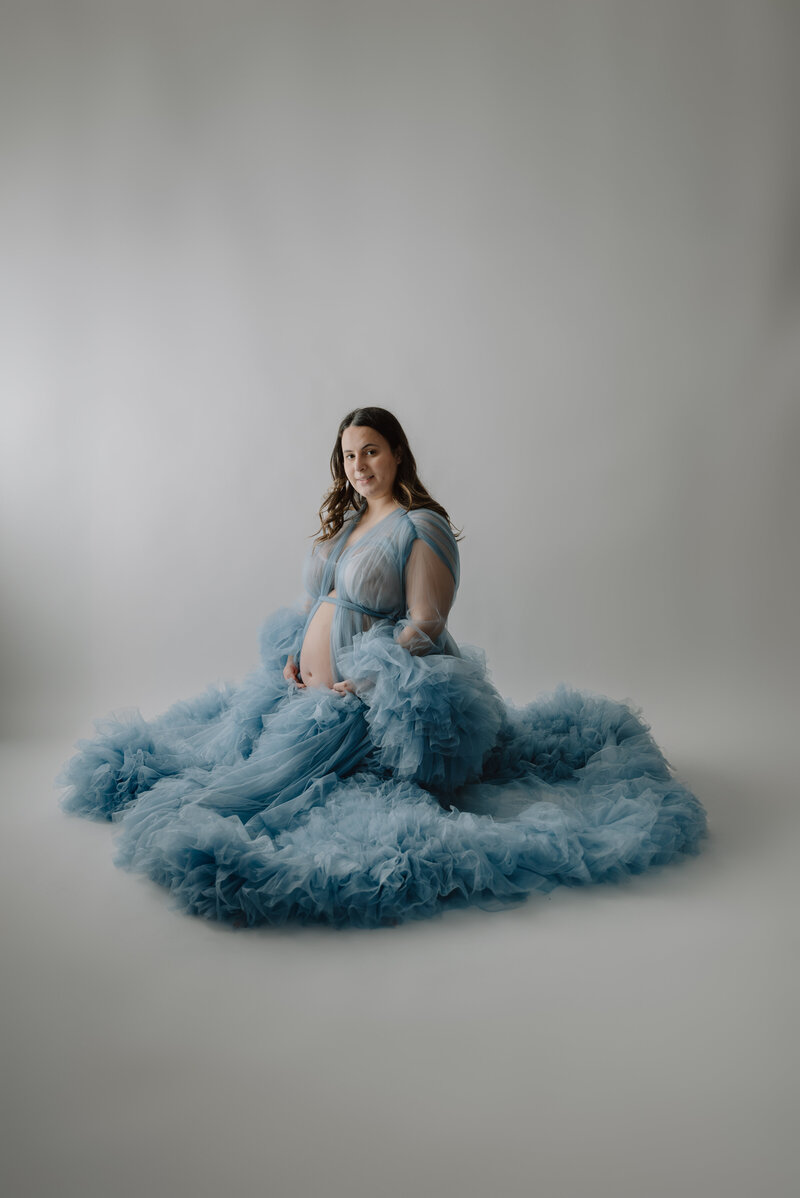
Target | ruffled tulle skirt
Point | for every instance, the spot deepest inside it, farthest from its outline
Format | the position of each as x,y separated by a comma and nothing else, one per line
265,803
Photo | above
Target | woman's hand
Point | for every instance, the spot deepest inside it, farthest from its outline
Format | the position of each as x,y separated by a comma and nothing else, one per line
291,672
342,688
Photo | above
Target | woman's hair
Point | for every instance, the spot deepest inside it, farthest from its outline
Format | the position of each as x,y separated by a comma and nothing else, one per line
408,489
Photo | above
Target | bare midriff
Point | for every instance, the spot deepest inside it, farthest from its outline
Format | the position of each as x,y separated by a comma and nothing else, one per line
315,653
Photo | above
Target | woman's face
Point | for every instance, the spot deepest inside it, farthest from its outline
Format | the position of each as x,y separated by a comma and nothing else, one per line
369,463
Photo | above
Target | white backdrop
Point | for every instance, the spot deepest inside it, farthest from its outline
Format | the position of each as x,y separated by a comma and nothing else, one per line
559,240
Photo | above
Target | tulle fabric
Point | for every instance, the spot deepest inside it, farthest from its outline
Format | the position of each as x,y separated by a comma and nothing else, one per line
403,572
433,719
327,815
423,789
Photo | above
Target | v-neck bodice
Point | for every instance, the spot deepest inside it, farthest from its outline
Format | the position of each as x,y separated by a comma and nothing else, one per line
368,575
344,545
348,541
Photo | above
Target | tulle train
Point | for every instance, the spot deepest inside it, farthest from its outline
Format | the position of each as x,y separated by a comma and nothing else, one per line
269,803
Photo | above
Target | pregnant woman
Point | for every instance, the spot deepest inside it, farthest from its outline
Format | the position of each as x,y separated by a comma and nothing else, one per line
368,771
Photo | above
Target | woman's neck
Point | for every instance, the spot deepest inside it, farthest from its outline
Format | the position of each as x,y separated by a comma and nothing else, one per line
376,509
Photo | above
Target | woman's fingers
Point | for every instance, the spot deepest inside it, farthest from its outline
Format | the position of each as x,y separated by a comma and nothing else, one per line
291,673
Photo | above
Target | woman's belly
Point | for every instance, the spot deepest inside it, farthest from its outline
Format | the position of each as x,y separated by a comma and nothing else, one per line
315,652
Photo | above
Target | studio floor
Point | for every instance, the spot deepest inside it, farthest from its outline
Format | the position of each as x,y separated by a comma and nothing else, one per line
626,1040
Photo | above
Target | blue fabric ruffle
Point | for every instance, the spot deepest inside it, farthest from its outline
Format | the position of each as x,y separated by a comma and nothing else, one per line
264,802
433,718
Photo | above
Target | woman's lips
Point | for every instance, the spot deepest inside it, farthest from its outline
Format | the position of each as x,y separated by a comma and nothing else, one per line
365,480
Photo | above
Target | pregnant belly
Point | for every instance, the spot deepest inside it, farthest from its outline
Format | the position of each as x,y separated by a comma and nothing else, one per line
315,653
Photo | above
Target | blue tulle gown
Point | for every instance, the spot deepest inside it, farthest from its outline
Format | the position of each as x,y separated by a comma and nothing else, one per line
267,803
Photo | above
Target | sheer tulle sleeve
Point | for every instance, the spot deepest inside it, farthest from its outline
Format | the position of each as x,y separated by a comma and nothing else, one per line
430,589
281,635
432,716
431,581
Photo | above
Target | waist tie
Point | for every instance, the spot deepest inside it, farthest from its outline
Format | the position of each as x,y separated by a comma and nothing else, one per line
364,611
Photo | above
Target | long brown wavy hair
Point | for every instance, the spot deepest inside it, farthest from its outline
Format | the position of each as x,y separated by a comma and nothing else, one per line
408,489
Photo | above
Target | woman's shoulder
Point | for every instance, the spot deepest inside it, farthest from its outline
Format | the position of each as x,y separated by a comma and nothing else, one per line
428,522
434,528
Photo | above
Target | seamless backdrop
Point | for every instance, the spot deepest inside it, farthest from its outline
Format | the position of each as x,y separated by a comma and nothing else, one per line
558,240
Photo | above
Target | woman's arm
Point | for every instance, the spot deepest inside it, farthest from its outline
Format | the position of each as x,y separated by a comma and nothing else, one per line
430,590
281,635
